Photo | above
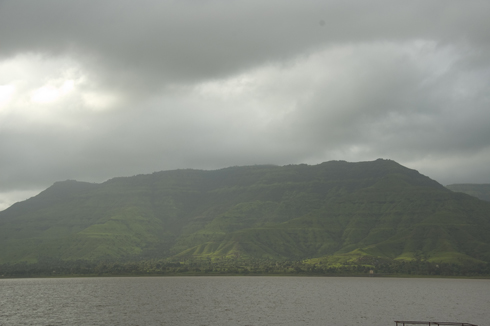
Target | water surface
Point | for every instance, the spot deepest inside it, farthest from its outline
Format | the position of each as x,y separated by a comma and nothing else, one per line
251,300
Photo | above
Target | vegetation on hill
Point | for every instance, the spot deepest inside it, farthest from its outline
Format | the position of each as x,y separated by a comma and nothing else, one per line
333,214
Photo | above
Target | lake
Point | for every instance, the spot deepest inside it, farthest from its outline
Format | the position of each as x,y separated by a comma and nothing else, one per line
242,300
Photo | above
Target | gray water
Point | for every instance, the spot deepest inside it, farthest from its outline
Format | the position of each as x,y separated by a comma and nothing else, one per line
241,301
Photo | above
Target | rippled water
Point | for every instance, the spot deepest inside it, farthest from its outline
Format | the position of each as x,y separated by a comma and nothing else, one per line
241,301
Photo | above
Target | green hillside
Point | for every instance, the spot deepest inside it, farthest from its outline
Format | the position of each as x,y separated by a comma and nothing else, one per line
481,191
335,211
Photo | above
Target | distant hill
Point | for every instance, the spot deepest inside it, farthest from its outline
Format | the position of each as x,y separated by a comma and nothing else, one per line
295,212
481,191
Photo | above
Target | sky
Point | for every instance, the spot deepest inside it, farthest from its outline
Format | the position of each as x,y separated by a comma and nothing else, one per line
91,90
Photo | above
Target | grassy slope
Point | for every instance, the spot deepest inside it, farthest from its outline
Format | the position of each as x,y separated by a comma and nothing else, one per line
398,215
335,209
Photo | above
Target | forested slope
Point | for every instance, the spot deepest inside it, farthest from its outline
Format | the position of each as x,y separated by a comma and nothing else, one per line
336,211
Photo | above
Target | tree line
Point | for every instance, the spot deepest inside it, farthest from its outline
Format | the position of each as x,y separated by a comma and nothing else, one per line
57,268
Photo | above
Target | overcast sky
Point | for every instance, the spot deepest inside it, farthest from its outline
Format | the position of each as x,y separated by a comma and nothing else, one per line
91,90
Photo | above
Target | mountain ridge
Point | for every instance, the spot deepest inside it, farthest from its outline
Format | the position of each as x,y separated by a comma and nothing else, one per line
478,190
336,208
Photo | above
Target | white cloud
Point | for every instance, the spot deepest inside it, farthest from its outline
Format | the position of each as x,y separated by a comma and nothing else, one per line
6,93
99,101
40,90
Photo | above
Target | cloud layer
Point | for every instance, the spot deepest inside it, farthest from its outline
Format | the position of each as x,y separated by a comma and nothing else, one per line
94,90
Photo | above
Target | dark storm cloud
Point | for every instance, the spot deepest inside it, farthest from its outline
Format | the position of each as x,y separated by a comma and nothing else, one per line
95,89
167,41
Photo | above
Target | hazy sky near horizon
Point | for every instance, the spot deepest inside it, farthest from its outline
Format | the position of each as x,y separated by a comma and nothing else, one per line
91,90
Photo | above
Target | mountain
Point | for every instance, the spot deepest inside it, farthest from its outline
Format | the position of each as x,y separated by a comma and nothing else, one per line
481,191
337,209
